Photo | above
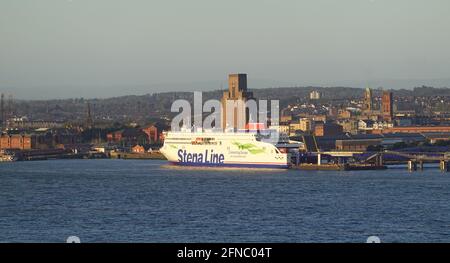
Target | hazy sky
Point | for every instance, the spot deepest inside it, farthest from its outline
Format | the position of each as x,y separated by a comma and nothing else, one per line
101,48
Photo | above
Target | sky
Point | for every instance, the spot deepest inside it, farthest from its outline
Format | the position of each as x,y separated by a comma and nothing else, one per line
103,48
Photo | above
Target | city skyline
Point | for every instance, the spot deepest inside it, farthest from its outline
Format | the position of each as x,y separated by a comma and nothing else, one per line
63,49
235,123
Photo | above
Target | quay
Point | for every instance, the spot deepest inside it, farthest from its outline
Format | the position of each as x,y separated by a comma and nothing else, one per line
139,156
336,161
300,160
312,158
50,154
35,155
338,167
347,161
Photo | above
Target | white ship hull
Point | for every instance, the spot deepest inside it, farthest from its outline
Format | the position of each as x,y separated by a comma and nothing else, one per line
221,150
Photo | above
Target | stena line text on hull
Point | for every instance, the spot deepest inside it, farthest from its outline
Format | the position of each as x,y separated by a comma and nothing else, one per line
221,149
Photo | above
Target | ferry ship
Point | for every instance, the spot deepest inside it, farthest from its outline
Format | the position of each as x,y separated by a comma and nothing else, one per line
221,149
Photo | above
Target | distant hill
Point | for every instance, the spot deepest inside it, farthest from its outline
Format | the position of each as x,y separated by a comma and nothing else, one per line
106,91
148,107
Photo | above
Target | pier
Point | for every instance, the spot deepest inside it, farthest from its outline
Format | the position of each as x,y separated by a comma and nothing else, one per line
417,161
338,161
314,159
141,156
344,161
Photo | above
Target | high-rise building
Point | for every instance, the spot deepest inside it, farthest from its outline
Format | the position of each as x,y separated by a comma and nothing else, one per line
368,101
387,107
236,96
315,95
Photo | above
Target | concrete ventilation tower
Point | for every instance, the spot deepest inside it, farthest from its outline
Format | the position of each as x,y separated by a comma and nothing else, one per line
237,92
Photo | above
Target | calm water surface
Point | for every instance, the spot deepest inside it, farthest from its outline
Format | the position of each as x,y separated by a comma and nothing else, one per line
144,201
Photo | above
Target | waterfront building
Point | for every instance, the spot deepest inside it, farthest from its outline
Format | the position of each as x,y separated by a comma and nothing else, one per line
128,137
417,129
16,141
146,135
328,143
48,138
38,139
392,138
327,129
356,144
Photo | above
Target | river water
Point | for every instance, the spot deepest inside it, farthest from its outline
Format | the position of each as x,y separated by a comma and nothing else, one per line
147,201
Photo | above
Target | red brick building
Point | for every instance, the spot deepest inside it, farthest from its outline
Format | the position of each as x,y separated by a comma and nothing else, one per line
114,136
417,129
148,134
128,136
152,133
16,141
328,129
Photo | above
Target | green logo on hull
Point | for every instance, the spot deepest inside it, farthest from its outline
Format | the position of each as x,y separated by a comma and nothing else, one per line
251,148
